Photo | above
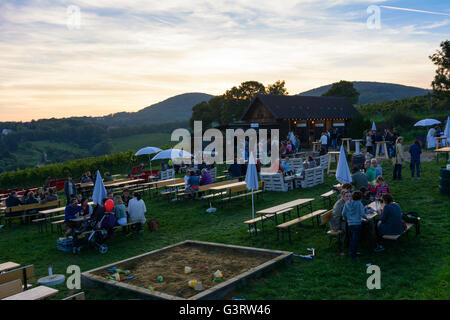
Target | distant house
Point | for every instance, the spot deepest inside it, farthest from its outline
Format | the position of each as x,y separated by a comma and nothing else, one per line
306,116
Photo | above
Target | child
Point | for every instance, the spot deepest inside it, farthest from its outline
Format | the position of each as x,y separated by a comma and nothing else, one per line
381,188
353,212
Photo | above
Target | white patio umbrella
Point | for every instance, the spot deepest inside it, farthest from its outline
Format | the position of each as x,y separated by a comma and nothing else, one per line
343,172
251,179
447,131
426,122
149,151
374,128
99,190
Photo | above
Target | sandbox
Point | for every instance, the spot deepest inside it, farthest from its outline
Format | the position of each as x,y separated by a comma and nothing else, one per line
235,262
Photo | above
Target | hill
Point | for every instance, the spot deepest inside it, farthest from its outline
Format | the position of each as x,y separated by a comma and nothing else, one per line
176,108
372,92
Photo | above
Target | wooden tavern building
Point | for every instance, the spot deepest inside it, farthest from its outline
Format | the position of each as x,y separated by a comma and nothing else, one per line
306,116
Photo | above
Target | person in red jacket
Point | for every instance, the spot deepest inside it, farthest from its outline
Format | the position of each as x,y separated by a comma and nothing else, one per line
381,187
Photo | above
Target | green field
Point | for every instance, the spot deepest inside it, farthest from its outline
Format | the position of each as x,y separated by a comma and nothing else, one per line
139,141
418,268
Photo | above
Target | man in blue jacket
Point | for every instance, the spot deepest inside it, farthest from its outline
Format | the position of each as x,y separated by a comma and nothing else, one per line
415,150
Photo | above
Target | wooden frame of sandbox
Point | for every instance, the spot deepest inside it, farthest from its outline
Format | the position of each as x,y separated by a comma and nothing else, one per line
217,292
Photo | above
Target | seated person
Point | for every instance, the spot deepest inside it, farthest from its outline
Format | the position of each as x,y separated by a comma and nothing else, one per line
370,172
99,211
137,210
107,177
309,163
72,211
108,221
380,188
86,208
366,196
378,168
390,222
50,196
359,179
186,178
12,200
336,220
205,178
193,184
345,187
322,151
120,211
85,178
286,166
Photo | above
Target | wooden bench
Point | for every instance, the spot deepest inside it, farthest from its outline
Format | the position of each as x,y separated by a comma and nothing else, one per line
10,288
262,218
58,224
37,293
332,234
328,196
27,207
77,296
41,222
23,273
408,227
206,188
287,225
237,190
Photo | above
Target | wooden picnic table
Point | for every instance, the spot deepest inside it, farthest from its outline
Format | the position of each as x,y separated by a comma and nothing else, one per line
36,293
8,266
176,185
59,209
295,203
445,150
228,186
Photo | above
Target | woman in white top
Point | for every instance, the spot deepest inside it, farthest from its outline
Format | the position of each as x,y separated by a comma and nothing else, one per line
431,140
137,210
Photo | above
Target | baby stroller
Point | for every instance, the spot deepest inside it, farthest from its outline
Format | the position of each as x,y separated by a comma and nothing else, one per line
83,238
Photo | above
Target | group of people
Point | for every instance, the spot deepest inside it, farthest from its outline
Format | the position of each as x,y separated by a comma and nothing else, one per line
29,197
433,133
374,136
194,179
112,209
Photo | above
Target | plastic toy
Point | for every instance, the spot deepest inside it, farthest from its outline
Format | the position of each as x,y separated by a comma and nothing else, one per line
151,288
179,292
187,270
127,272
160,278
218,274
212,252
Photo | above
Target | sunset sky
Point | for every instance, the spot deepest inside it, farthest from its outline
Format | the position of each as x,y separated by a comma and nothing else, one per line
128,54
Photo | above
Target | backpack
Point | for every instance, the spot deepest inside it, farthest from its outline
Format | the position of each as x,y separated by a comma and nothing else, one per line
153,225
411,217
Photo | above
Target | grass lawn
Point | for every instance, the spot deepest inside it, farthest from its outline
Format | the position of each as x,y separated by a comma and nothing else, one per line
417,269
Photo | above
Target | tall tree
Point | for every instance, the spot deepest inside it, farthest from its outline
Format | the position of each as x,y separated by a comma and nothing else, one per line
441,82
343,89
277,88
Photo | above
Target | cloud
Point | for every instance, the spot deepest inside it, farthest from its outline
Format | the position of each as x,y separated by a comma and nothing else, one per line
130,54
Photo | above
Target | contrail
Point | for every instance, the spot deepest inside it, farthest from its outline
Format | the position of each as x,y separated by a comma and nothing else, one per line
414,10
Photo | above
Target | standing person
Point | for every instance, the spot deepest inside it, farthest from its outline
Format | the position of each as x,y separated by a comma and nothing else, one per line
353,211
398,159
381,188
324,141
70,189
431,140
389,142
415,150
120,211
370,172
333,137
369,145
126,196
137,210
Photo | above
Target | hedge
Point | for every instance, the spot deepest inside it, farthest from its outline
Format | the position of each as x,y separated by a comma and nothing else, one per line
116,163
